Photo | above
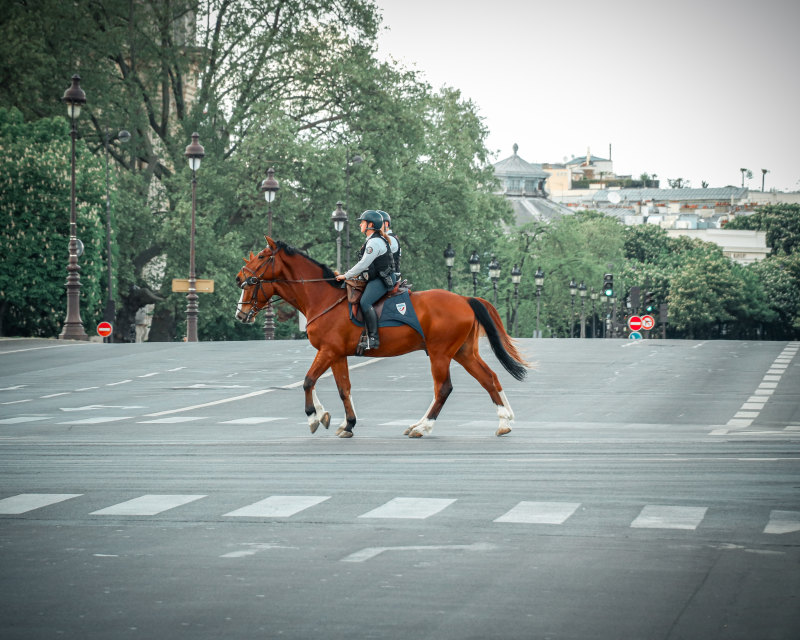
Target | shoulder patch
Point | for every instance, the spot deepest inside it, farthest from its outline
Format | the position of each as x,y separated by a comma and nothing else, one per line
369,249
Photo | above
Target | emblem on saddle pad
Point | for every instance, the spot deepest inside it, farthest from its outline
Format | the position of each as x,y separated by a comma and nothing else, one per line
401,307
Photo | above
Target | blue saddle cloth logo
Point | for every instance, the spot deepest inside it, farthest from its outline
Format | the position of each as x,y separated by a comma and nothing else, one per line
396,312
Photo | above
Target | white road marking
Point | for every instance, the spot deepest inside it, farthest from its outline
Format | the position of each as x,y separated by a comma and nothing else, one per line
55,395
252,394
114,384
414,508
277,507
371,552
15,402
147,375
253,548
25,502
93,407
21,419
251,420
656,516
172,420
148,505
783,522
540,512
14,388
97,420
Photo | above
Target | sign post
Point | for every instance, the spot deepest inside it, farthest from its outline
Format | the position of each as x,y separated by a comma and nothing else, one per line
104,330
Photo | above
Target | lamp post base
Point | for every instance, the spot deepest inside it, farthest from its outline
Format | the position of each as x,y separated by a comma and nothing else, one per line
73,331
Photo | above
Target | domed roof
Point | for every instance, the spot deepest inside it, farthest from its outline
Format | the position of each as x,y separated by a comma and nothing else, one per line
516,167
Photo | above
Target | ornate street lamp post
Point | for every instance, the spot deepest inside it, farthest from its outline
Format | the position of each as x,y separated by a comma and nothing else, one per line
339,219
516,278
593,295
269,187
194,154
74,98
582,293
538,280
494,275
449,259
573,290
474,267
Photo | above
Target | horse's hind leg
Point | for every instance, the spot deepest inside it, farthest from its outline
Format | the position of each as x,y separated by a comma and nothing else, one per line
442,386
469,358
341,374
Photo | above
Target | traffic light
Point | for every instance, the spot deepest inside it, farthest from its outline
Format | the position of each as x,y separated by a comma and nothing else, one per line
608,285
649,304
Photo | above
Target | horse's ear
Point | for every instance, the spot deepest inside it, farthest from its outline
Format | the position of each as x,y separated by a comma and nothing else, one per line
251,255
270,242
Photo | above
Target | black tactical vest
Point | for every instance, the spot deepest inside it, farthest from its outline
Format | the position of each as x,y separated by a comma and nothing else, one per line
397,253
384,263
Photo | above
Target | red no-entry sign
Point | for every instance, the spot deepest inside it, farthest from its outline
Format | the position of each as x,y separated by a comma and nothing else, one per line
634,323
104,329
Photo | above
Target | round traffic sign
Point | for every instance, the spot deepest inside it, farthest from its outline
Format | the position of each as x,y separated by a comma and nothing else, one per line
634,323
104,329
648,322
635,335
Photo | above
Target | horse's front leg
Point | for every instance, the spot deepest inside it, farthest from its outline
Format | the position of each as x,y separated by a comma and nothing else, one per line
314,410
341,374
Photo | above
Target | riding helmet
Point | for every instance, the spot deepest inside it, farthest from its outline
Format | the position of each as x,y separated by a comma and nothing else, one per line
386,217
373,218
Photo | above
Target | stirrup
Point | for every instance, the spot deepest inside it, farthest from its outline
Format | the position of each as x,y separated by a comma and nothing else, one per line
373,342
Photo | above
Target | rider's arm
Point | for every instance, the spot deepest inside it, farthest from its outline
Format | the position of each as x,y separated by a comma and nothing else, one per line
375,247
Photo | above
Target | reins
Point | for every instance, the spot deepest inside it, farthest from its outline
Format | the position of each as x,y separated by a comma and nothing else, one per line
260,281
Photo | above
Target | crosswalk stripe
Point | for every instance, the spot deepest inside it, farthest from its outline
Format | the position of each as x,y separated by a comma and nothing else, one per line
416,508
25,502
148,505
783,522
277,506
656,516
540,512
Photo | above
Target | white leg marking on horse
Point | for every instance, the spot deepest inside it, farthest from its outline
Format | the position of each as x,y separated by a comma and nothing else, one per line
506,418
318,416
507,405
421,420
424,428
344,421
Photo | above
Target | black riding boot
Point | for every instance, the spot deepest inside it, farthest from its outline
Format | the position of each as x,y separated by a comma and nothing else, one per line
371,322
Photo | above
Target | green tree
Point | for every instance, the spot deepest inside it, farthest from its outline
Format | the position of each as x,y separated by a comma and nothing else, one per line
35,206
781,222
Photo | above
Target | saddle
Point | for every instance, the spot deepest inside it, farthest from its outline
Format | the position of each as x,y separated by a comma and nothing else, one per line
355,289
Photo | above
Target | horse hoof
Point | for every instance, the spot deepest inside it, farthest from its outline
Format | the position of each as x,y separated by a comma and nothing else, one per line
345,434
413,433
502,431
326,419
313,426
407,431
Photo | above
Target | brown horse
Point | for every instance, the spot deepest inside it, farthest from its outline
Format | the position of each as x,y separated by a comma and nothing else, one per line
451,323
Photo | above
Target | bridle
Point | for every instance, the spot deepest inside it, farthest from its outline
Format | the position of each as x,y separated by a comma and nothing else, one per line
258,279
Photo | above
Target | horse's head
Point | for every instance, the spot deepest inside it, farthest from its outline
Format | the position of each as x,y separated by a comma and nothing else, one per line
257,282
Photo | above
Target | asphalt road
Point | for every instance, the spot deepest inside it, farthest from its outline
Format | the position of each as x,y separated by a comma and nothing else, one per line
649,489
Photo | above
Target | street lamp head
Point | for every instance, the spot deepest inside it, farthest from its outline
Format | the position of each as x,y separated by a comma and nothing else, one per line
449,255
474,262
582,289
538,277
269,186
573,287
339,217
356,159
124,135
494,269
516,275
593,295
74,97
194,152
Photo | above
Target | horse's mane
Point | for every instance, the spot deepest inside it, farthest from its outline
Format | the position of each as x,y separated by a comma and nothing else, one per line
327,272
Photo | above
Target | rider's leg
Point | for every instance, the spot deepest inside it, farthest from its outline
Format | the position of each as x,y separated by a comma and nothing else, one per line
373,291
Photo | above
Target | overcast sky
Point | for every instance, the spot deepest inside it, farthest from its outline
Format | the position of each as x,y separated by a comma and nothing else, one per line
693,89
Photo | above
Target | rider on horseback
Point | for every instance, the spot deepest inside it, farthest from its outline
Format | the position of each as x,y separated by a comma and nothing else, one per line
375,265
394,242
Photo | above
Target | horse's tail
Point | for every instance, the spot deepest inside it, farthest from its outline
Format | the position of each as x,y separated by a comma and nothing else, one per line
502,344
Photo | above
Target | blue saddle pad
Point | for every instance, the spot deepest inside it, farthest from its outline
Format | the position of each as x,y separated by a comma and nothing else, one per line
396,312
